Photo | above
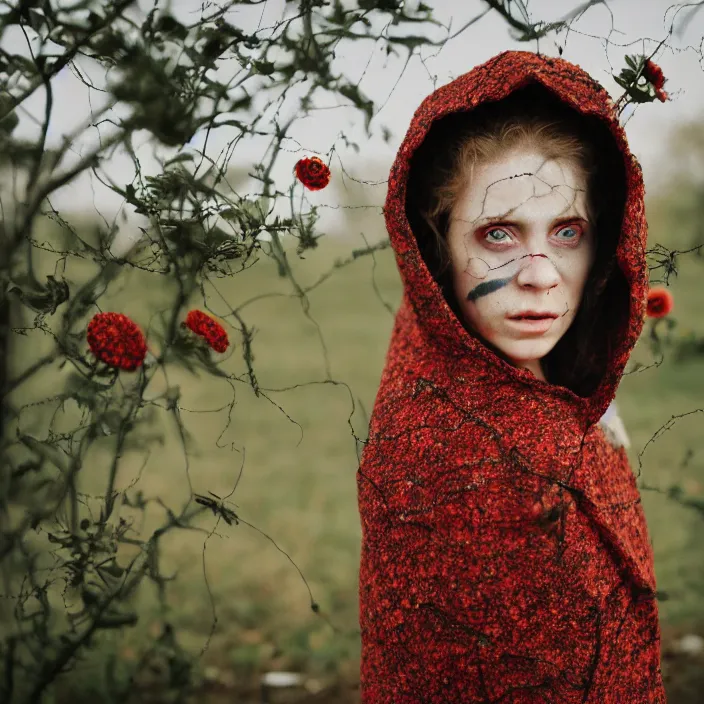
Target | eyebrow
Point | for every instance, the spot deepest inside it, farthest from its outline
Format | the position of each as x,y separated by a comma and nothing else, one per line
518,223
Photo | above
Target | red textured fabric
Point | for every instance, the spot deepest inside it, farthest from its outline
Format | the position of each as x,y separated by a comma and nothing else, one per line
505,554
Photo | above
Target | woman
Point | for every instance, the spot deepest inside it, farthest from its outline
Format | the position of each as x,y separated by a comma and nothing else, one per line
505,555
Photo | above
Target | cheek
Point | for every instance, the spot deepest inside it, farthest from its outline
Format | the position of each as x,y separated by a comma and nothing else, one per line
574,273
468,269
581,279
458,259
462,280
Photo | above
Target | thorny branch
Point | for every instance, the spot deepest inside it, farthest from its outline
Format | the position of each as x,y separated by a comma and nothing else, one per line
163,74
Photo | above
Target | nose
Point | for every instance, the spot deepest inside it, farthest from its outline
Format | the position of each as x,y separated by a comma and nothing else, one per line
538,272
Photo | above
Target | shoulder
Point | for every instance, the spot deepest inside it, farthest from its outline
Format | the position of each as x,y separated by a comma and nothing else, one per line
613,427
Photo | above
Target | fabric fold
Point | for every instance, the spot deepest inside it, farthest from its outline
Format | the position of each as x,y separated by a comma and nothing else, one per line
505,554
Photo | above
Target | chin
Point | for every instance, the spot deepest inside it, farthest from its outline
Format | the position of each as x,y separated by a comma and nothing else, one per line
522,353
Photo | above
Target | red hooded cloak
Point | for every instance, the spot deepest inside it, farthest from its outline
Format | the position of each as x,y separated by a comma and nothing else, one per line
505,554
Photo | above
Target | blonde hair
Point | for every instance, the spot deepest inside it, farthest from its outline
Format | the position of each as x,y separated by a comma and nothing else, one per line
547,137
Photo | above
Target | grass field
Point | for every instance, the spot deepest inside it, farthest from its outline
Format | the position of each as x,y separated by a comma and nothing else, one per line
298,457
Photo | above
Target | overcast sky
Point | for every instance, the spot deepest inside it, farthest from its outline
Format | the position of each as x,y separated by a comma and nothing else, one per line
631,26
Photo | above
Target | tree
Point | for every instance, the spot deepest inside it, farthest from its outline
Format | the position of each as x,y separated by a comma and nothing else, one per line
172,79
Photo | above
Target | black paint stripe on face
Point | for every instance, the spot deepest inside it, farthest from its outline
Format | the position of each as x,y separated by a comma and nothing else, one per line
487,287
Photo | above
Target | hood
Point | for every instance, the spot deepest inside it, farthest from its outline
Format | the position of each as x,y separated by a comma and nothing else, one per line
505,553
556,85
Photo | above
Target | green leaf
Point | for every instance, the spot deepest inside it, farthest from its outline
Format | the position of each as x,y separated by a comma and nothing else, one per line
47,452
265,68
380,5
111,421
410,42
353,93
172,395
117,620
84,391
42,299
90,596
168,25
242,103
633,62
9,122
24,65
180,158
112,568
338,15
675,491
641,95
36,20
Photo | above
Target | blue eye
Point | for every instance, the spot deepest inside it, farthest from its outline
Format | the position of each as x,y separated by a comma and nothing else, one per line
567,229
494,239
499,236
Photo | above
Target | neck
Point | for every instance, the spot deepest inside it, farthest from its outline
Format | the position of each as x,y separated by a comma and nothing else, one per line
535,367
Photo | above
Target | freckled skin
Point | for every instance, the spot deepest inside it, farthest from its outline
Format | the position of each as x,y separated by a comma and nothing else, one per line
547,258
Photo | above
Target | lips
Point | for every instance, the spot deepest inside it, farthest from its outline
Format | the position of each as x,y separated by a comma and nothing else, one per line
533,315
532,322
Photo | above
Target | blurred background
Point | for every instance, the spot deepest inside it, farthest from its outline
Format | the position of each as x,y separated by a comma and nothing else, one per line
286,460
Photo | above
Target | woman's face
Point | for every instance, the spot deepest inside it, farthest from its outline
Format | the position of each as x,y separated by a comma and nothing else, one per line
520,244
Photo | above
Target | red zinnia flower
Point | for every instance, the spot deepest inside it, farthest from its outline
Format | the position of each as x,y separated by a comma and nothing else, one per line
114,339
208,328
653,74
313,173
660,303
